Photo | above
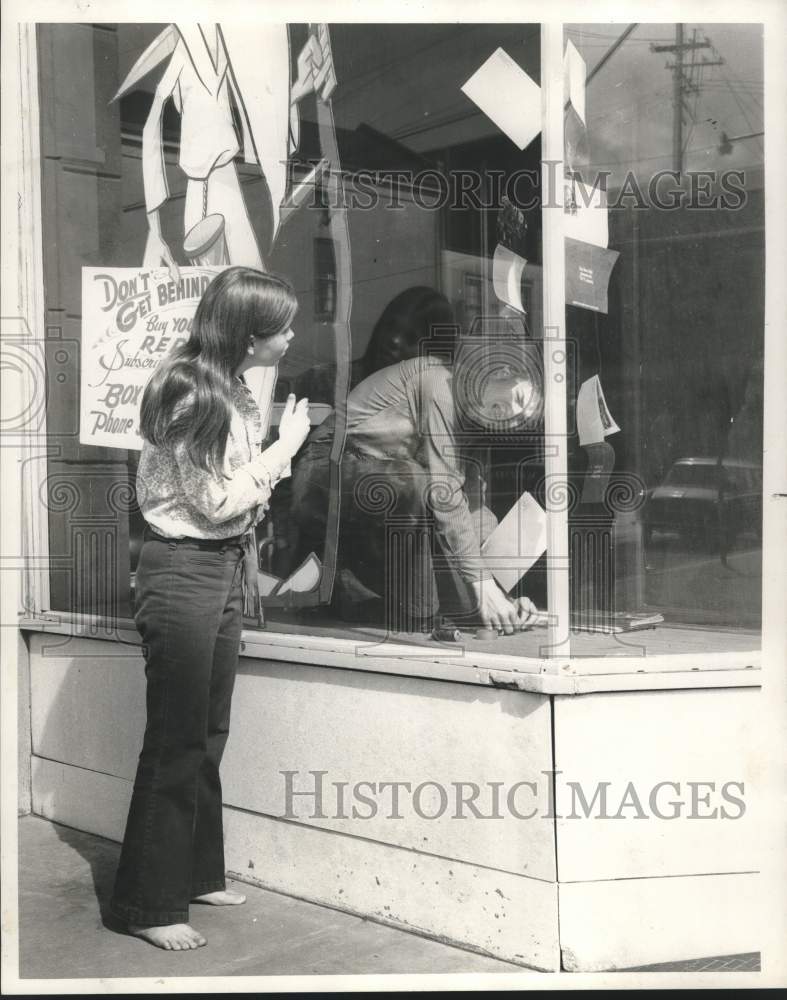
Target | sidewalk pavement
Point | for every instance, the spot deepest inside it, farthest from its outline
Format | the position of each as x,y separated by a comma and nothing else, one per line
65,879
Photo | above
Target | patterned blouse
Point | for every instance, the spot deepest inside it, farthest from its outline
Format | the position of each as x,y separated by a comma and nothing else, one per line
179,500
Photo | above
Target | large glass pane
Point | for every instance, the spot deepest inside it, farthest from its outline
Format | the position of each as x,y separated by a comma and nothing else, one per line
408,192
665,121
443,208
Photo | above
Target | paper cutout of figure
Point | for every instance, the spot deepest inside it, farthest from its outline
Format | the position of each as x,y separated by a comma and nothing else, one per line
588,269
508,96
208,64
594,421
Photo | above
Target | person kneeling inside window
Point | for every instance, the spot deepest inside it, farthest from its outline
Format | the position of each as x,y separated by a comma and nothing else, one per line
401,476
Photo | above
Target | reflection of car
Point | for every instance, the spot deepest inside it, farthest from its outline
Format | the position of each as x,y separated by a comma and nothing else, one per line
704,499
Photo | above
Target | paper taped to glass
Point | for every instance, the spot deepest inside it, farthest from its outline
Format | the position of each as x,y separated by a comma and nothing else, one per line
507,95
516,543
588,269
507,268
594,421
586,217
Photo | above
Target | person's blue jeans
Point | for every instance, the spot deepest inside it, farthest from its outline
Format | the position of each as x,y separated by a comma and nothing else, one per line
189,614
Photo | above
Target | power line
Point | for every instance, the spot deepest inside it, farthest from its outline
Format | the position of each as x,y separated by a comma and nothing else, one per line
683,84
648,159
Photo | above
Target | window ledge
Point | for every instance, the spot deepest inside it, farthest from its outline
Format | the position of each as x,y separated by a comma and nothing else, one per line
461,664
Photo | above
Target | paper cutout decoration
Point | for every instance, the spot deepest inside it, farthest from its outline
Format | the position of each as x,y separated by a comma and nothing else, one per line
588,269
517,542
199,79
575,74
267,583
305,578
586,213
508,96
210,64
594,421
163,45
507,268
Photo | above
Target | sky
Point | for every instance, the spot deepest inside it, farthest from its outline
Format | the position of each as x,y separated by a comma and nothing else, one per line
629,102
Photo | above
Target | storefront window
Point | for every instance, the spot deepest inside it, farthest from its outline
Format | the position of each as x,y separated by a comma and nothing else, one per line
667,122
406,211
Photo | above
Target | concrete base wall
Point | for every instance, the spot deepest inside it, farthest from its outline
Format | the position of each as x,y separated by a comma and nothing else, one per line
607,893
488,884
664,866
632,922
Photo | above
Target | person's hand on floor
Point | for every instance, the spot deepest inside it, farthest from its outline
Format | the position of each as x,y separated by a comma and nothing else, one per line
496,610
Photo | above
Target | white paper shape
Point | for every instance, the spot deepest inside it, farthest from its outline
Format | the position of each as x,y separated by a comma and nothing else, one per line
507,95
594,421
575,74
305,578
267,583
507,268
586,213
516,543
588,269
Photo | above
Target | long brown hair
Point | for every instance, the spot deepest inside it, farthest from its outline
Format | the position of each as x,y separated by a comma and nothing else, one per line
188,400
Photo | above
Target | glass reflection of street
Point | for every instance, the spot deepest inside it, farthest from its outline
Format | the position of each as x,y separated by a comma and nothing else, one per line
685,575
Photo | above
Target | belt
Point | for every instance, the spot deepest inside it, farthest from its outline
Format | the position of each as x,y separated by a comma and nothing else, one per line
203,543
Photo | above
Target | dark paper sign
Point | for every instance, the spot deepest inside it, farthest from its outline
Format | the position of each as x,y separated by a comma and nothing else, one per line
588,269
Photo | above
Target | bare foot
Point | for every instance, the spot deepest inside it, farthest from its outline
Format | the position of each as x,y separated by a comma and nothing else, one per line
170,937
223,897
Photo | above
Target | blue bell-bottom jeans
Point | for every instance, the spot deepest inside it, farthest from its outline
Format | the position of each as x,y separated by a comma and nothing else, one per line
189,614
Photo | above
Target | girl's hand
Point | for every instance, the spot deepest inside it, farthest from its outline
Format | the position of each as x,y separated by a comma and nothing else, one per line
294,425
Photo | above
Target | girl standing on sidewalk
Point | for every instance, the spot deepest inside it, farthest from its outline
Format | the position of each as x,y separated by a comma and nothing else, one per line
202,484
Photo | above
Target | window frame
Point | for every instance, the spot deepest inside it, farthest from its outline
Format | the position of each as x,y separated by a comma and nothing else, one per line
26,178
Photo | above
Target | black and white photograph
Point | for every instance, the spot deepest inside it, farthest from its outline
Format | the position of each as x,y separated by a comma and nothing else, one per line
394,495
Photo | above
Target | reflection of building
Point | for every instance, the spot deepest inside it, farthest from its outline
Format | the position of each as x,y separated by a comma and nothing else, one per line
700,347
683,337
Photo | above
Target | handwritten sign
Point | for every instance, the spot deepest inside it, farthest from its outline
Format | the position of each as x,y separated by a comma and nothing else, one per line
131,319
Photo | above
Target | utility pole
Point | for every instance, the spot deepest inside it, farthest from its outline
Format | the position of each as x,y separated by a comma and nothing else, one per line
682,84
